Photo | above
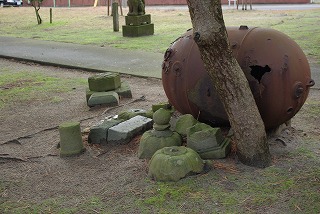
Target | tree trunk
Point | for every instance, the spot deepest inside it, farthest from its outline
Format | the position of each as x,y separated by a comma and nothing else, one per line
231,84
36,6
38,16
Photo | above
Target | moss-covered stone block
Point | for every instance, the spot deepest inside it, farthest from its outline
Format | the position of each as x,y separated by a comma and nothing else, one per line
174,163
109,98
124,90
152,140
99,134
104,82
183,123
70,139
202,137
138,20
137,30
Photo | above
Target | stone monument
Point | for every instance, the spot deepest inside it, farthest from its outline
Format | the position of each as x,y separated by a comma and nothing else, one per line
137,22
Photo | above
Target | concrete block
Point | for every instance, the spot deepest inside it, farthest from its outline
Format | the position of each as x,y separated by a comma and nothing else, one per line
109,98
104,81
98,134
124,90
125,131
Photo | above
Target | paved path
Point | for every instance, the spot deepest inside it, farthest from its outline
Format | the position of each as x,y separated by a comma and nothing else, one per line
137,63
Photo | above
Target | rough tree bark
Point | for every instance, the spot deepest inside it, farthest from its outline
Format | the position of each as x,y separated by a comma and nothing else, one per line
210,35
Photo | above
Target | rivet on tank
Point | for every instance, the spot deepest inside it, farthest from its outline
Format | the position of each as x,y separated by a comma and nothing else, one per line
277,70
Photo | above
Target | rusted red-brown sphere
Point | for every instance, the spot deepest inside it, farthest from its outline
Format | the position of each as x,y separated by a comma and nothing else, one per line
276,68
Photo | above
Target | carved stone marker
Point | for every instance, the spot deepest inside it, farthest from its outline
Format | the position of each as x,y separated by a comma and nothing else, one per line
137,22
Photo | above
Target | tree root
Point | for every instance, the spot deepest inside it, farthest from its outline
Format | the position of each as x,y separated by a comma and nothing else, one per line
7,157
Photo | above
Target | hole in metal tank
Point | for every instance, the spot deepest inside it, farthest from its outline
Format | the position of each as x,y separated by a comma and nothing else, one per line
258,71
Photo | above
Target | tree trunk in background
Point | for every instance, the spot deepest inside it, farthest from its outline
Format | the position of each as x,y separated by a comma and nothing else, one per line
231,84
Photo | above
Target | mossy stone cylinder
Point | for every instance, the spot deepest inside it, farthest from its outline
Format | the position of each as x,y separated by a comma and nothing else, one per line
70,139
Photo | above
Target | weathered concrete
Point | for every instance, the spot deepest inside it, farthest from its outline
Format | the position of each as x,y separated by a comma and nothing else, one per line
86,57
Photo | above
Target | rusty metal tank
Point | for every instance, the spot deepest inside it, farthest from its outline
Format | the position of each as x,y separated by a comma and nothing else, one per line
276,68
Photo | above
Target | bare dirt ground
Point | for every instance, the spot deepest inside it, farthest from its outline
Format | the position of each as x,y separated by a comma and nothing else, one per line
36,161
34,172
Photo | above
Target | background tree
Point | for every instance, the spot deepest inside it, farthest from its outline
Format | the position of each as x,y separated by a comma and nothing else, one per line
210,35
36,4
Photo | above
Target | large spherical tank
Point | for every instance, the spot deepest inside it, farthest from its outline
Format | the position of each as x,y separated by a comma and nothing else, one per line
276,68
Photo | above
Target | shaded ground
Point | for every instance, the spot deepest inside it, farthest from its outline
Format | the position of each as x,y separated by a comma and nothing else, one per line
111,179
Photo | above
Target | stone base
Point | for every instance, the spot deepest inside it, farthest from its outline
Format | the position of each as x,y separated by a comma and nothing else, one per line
109,98
138,20
136,31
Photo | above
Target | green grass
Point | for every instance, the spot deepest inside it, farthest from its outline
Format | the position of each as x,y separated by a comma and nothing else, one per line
93,26
291,187
30,86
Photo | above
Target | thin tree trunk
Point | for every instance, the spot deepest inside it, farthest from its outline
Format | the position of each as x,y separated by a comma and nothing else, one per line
38,16
231,84
36,9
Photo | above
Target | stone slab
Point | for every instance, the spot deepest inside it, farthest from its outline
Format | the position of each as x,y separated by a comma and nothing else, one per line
98,134
109,98
136,31
124,132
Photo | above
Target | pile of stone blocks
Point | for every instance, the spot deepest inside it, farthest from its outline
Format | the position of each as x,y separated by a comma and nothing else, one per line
106,89
207,141
118,131
121,128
